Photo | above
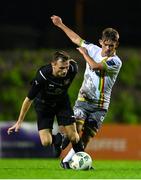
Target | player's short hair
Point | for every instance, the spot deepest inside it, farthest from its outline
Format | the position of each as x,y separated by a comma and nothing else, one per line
110,34
61,55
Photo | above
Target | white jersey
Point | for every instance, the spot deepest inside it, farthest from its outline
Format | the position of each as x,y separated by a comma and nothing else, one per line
97,84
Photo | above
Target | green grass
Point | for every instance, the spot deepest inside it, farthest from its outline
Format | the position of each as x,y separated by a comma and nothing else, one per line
50,169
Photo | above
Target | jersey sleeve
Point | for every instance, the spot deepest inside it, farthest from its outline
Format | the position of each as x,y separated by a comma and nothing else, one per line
112,65
36,85
91,48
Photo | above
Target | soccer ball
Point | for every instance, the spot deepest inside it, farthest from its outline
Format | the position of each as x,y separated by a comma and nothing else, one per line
81,161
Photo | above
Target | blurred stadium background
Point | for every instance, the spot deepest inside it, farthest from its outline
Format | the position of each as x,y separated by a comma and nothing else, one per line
28,40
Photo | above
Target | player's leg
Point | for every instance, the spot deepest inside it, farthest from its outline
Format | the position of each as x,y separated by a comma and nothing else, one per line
77,145
72,132
80,116
79,125
57,142
44,127
65,117
45,137
74,137
65,140
45,120
92,125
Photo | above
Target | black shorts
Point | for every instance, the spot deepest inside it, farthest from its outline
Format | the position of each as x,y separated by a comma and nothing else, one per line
46,113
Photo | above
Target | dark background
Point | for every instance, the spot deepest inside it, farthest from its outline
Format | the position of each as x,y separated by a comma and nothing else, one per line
27,24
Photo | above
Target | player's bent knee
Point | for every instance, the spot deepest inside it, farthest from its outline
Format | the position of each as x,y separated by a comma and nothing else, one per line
74,138
45,137
46,142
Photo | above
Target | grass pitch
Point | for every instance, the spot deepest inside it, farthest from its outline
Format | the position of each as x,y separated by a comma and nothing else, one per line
50,169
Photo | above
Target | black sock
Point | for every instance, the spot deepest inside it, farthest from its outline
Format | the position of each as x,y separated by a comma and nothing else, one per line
78,146
65,142
53,139
57,139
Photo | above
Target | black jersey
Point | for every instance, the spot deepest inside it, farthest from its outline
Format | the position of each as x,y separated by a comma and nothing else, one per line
47,87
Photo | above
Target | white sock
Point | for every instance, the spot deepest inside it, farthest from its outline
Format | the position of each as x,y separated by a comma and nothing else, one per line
69,155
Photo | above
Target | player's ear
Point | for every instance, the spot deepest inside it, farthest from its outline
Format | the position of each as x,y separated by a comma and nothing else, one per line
117,44
100,42
53,63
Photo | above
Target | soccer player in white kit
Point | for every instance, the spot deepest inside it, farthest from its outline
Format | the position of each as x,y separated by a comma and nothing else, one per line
102,69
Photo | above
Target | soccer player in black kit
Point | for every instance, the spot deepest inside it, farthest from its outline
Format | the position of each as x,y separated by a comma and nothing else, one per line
49,90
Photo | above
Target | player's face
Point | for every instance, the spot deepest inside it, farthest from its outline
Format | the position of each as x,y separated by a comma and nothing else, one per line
60,68
108,47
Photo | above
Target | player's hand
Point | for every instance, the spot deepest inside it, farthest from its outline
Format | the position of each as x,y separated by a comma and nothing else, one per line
56,20
82,50
14,128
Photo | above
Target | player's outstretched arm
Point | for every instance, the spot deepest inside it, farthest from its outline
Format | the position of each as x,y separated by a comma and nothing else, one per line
24,109
75,38
92,63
